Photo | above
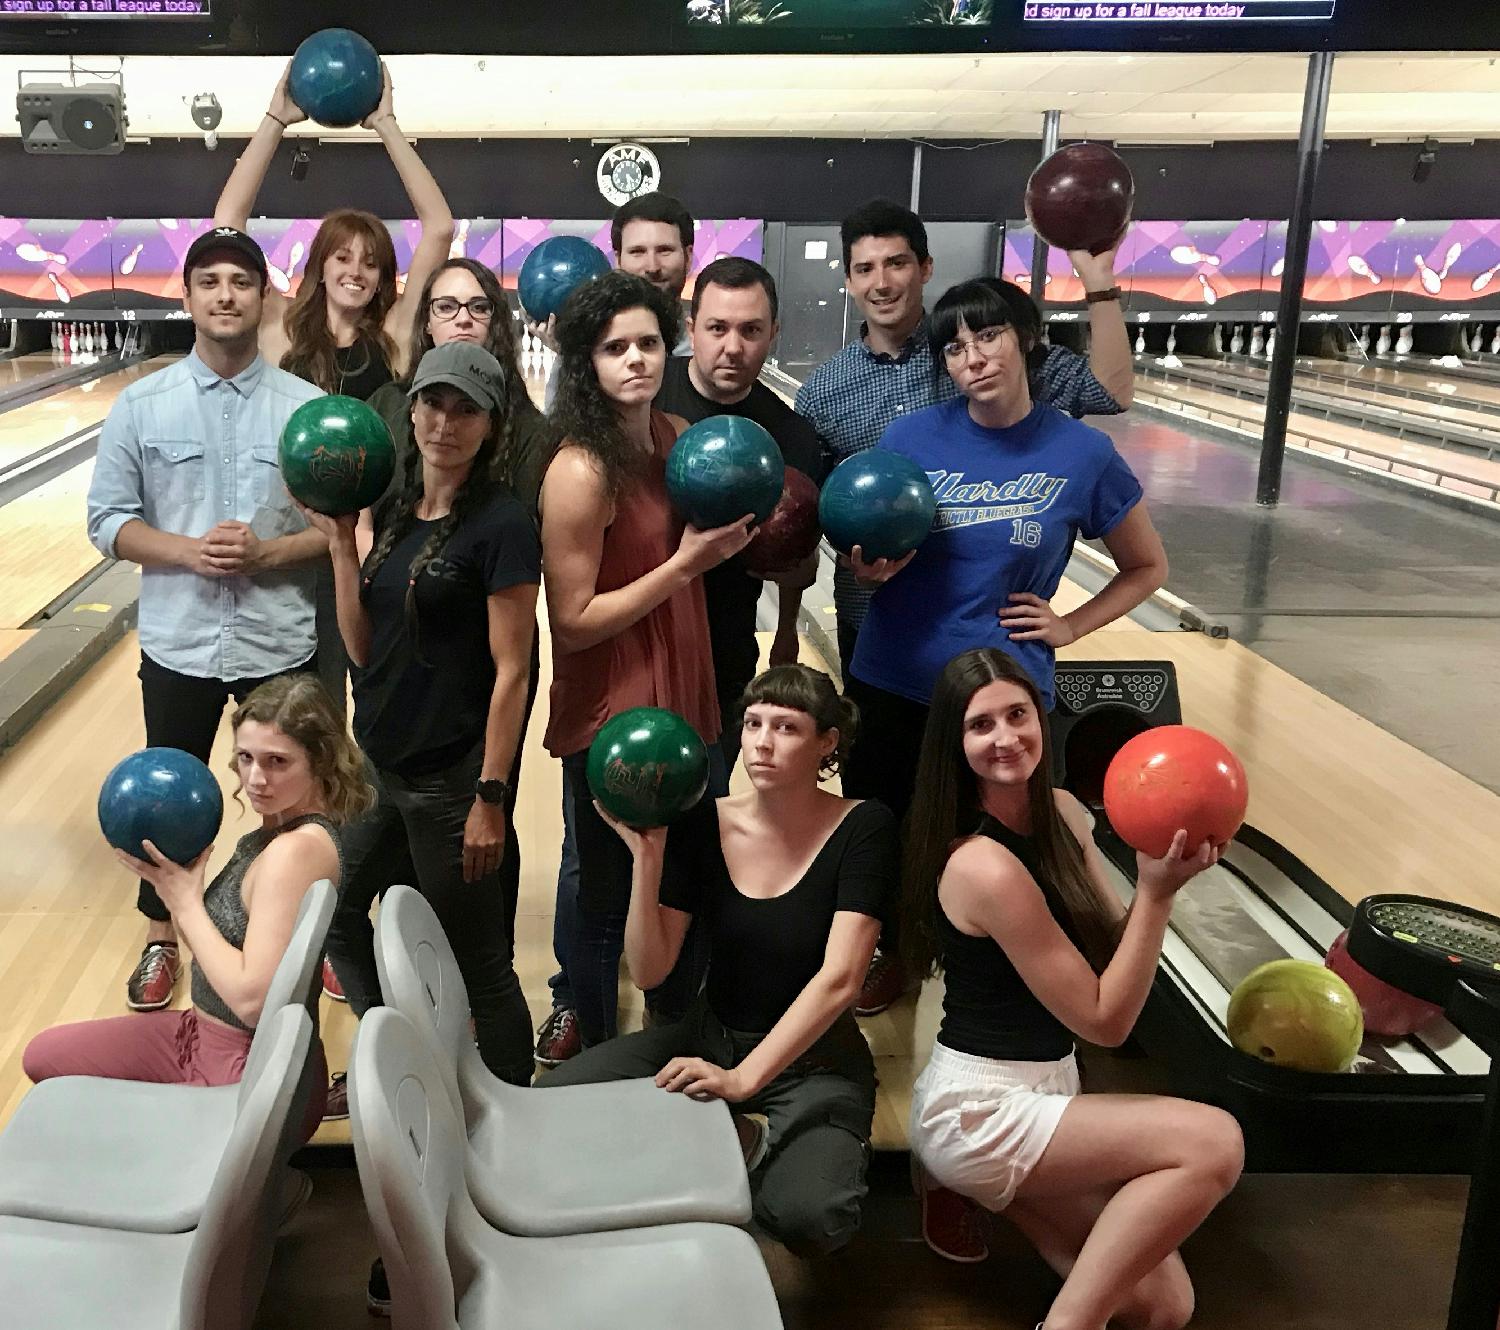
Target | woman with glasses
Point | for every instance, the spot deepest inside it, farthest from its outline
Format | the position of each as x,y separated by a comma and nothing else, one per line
463,302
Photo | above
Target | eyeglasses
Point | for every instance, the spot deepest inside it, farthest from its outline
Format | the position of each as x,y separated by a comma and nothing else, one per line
986,339
481,308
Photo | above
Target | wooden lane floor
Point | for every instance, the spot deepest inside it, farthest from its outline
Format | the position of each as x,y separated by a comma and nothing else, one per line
37,424
43,547
18,370
1427,377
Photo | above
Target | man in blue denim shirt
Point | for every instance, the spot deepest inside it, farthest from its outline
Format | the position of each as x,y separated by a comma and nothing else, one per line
186,484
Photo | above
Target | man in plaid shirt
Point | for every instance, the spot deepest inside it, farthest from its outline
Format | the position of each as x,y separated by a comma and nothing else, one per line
888,371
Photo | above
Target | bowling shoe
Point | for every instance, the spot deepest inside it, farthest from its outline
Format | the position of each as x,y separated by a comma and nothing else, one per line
953,1226
885,982
150,985
336,1105
331,986
559,1038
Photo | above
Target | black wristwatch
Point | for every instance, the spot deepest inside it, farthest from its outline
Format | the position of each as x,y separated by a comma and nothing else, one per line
493,792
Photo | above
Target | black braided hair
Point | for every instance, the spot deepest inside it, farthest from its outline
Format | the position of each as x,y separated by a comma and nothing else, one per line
478,486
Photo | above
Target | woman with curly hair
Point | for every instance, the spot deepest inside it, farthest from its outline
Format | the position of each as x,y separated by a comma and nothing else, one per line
624,594
305,778
346,329
791,882
440,620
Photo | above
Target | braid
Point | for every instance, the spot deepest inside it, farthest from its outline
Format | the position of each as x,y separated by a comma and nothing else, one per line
402,514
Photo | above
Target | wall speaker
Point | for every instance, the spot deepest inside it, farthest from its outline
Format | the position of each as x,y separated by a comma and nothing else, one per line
71,121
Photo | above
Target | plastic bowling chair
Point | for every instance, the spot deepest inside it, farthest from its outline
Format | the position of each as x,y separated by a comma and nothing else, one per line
140,1156
449,1270
575,1159
79,1277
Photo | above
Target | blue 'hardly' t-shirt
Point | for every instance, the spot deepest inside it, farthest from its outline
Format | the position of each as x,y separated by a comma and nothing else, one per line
1010,502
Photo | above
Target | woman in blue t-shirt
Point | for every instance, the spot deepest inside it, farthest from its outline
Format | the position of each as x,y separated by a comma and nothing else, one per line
1016,483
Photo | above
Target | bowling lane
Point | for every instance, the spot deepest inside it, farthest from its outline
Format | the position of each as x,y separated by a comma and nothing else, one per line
19,370
1428,379
43,548
35,426
1379,598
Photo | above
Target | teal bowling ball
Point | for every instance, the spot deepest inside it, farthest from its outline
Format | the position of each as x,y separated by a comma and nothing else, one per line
878,500
722,468
165,796
647,766
553,270
335,77
336,455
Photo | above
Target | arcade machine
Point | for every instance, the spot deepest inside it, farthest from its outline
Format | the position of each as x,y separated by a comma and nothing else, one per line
1410,1105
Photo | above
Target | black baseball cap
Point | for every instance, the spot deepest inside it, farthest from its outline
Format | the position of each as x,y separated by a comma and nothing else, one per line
232,239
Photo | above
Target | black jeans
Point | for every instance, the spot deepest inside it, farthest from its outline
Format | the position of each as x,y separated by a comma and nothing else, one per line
424,816
807,1193
882,762
183,711
604,873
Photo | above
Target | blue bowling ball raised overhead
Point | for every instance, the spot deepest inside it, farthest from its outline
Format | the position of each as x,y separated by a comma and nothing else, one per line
165,796
336,78
551,271
878,500
722,468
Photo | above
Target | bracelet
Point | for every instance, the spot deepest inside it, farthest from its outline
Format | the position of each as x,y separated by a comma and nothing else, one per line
278,120
1102,297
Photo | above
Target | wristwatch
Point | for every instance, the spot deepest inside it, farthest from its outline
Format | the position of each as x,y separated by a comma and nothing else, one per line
493,792
1100,297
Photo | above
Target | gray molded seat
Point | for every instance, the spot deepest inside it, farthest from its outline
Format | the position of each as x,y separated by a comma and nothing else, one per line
136,1155
576,1159
449,1270
76,1277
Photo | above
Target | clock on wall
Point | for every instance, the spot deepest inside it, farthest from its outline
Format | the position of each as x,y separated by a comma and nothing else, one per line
627,170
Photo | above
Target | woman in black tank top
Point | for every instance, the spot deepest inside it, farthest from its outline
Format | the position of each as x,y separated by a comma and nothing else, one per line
303,776
1005,890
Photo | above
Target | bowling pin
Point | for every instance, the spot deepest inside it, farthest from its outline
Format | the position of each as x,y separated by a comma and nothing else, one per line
127,264
1271,345
1172,340
1257,341
1383,342
1431,282
52,335
1360,268
1452,257
1210,296
33,253
1404,342
1237,341
1495,342
1140,340
67,340
64,296
1364,339
1278,267
460,240
1484,279
1218,339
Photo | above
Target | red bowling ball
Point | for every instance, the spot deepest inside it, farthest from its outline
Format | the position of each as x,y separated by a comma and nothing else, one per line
1081,197
790,533
1388,1010
1175,777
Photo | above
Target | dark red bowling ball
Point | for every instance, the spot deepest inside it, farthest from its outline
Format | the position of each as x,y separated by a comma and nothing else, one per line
790,533
1388,1010
1081,197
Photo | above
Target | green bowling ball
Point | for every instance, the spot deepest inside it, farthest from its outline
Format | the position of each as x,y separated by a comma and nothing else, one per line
336,455
1296,1014
646,766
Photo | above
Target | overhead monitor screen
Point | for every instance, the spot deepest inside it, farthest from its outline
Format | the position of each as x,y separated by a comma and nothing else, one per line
840,15
70,10
1177,11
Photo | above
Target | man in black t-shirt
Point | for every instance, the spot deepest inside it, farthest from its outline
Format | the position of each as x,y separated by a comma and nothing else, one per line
732,328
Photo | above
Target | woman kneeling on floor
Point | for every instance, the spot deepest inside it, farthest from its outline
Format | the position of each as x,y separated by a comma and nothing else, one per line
303,775
792,882
1006,888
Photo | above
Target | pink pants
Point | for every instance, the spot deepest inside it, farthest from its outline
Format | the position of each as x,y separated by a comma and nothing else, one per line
166,1047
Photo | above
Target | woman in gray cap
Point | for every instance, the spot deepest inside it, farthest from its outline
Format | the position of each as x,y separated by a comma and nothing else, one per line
439,623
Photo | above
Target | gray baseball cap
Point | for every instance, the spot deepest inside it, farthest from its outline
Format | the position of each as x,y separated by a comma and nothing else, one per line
462,365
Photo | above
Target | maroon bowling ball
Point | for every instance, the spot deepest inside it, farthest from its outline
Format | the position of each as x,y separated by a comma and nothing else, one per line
790,533
1081,197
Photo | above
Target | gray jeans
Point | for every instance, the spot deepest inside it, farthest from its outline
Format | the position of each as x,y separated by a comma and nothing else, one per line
808,1190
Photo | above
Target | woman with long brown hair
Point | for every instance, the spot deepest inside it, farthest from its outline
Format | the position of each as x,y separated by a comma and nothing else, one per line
347,328
1006,892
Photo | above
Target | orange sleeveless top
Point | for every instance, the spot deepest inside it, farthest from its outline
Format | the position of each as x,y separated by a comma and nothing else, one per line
664,658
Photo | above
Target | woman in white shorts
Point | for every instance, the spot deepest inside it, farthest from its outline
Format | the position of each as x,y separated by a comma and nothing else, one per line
1006,892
